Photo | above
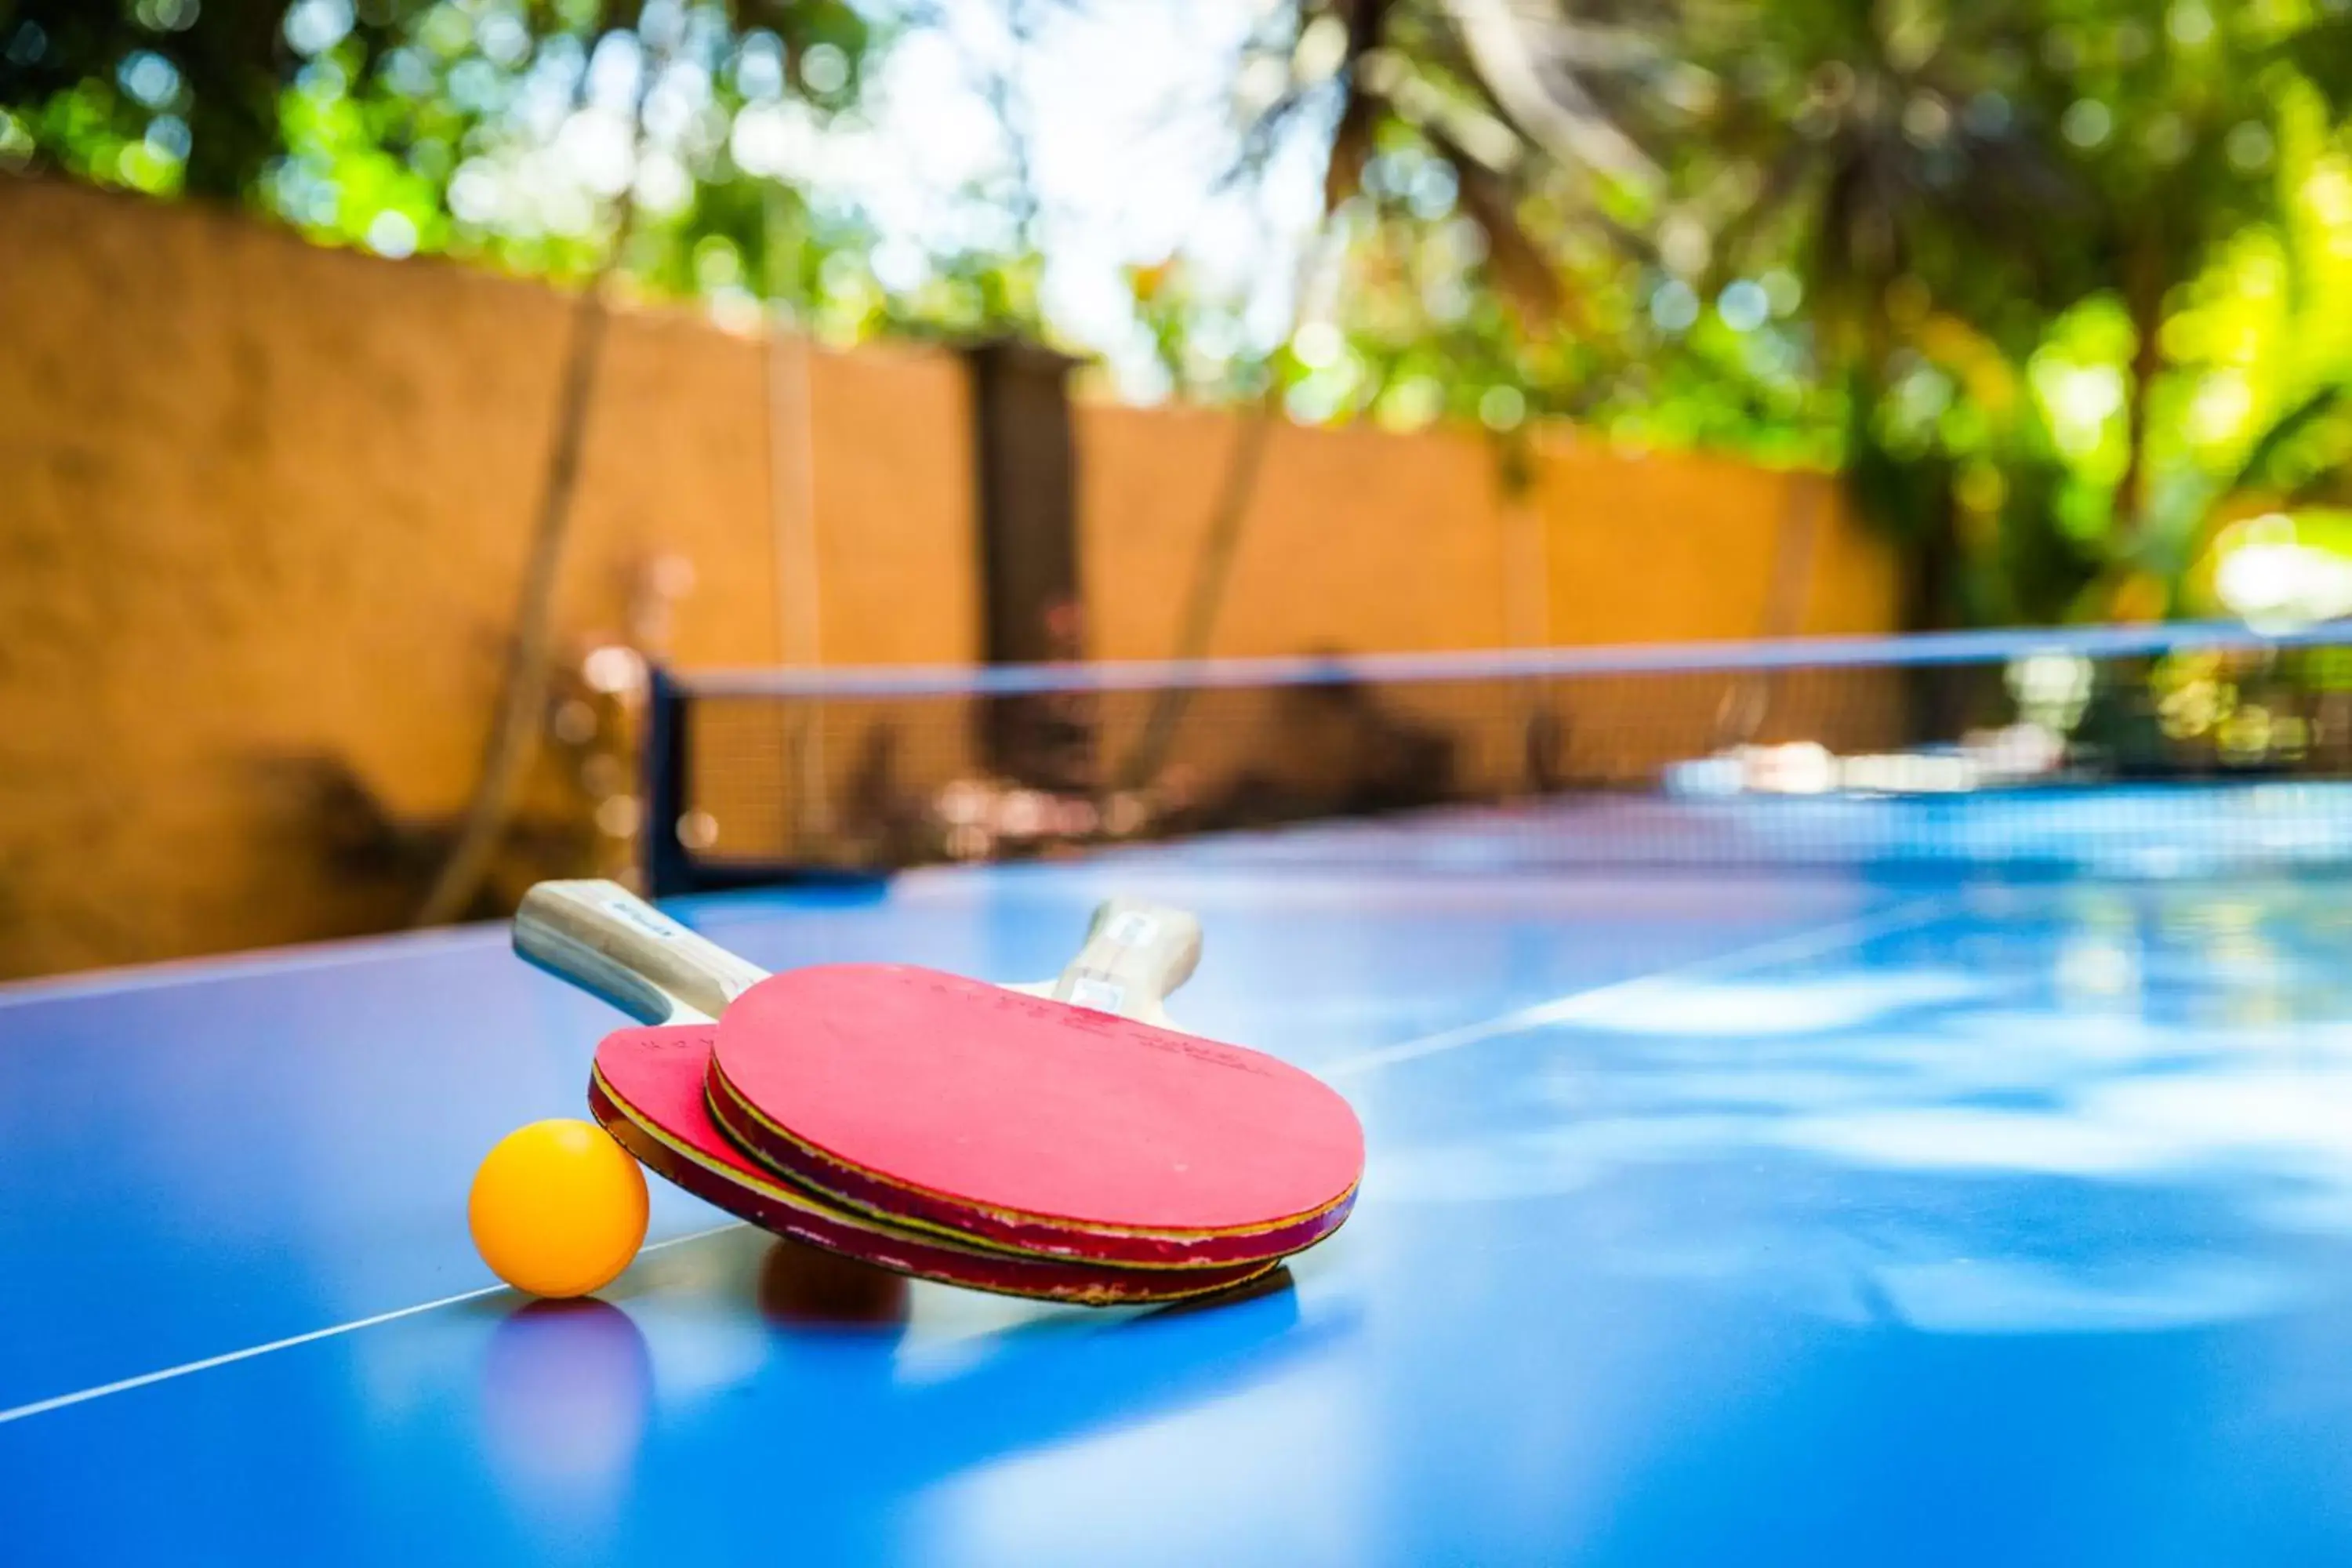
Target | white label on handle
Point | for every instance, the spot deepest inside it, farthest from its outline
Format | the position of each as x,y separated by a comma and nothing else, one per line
1129,929
653,922
1101,995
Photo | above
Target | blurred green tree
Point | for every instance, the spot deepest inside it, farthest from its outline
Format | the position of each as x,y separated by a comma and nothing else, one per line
1938,244
2014,266
494,128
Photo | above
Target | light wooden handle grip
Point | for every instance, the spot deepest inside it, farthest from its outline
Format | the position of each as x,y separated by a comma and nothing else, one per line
1134,955
606,940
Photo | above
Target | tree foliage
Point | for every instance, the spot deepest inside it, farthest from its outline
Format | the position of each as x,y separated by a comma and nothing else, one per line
1973,253
2056,283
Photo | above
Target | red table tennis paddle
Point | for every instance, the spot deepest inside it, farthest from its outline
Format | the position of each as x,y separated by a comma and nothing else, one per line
646,1088
1037,1123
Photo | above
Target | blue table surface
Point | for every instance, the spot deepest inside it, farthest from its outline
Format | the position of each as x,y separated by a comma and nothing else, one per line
1770,1217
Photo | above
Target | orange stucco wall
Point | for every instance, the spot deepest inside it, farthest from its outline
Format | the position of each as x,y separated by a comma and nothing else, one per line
263,508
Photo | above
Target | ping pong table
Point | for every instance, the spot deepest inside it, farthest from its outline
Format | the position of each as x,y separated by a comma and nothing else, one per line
1773,1215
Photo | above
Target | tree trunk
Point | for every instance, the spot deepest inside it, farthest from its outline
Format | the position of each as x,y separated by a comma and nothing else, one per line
513,744
1210,571
514,734
1931,593
2143,301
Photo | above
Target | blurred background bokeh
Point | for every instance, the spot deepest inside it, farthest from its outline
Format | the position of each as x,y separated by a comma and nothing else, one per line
386,387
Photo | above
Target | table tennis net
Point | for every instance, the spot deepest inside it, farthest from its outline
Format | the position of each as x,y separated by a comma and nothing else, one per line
2151,749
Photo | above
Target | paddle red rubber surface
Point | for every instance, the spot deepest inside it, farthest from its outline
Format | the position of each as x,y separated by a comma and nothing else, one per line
647,1089
930,1099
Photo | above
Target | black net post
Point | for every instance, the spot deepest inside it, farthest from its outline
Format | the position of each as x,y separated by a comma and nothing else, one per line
668,864
1025,463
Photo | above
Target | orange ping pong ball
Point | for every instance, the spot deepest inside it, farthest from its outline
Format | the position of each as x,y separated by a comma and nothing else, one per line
558,1208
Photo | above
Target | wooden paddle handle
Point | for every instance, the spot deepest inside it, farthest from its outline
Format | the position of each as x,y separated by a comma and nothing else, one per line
1135,954
604,939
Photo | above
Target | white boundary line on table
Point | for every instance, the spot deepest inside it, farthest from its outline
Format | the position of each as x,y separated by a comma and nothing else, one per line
205,969
1583,1006
124,1385
1576,1005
